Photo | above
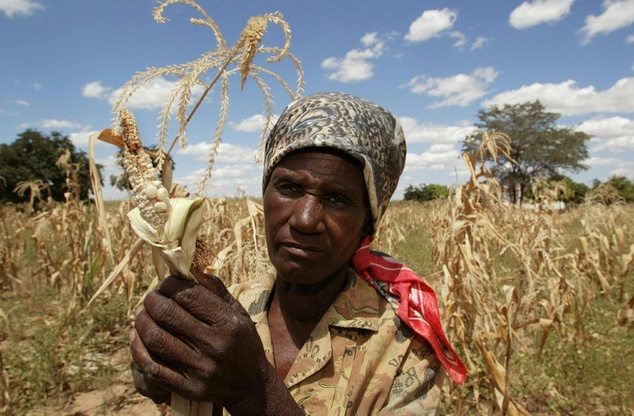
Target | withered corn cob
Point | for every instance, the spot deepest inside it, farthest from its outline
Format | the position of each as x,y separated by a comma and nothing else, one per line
149,193
170,225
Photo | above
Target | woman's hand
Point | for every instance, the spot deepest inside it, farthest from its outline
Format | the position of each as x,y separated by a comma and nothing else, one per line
198,341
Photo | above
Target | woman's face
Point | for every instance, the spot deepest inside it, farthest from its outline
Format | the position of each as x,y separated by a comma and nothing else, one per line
316,213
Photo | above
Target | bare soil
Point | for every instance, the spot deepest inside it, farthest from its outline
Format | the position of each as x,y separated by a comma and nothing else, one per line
115,400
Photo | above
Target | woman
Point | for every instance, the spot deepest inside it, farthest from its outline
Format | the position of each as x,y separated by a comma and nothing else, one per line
334,329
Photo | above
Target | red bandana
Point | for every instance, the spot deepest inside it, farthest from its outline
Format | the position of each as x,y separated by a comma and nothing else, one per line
414,300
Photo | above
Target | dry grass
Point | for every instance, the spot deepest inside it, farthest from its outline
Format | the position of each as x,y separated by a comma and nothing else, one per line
540,303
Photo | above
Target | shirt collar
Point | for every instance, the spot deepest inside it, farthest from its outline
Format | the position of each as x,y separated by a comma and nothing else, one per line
357,306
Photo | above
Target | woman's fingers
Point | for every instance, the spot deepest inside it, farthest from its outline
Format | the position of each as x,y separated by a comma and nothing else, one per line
141,359
159,342
208,302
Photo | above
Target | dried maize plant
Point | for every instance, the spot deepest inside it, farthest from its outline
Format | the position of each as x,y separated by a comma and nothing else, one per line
12,248
169,225
489,325
466,260
389,232
238,239
70,169
605,194
35,189
227,61
172,225
69,256
547,193
5,398
605,247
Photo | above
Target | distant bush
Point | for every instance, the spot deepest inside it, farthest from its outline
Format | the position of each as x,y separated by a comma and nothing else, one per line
425,192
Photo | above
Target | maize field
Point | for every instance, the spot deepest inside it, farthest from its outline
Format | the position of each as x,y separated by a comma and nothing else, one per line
539,303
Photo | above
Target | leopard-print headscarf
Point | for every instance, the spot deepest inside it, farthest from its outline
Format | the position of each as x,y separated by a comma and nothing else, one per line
358,127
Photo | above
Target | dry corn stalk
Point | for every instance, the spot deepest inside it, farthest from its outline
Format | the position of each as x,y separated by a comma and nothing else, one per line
169,225
5,399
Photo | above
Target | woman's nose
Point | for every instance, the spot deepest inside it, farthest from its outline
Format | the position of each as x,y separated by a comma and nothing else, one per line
307,216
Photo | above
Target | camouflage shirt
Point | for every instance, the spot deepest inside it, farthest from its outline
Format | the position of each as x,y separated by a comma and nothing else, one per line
359,360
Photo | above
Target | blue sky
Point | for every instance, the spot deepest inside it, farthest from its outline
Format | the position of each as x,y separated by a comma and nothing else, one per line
435,64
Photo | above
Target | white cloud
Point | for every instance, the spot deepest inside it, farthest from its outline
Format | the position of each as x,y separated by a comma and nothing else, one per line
437,134
6,113
251,124
354,66
613,134
431,24
618,167
80,139
433,160
602,161
59,124
109,164
22,103
461,39
627,171
19,7
536,12
629,39
227,153
441,148
479,42
567,98
152,95
460,90
226,180
95,90
617,14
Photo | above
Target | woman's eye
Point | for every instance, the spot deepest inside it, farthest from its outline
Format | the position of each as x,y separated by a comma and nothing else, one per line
289,189
337,201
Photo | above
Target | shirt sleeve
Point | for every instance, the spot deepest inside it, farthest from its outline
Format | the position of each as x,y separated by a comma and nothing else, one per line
417,387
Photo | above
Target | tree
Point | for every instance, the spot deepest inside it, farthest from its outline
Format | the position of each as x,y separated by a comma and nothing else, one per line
425,192
33,156
539,147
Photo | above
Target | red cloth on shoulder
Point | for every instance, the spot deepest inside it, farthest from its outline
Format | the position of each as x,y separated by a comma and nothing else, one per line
414,300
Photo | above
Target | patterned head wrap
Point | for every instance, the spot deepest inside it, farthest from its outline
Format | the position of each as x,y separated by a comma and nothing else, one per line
363,130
